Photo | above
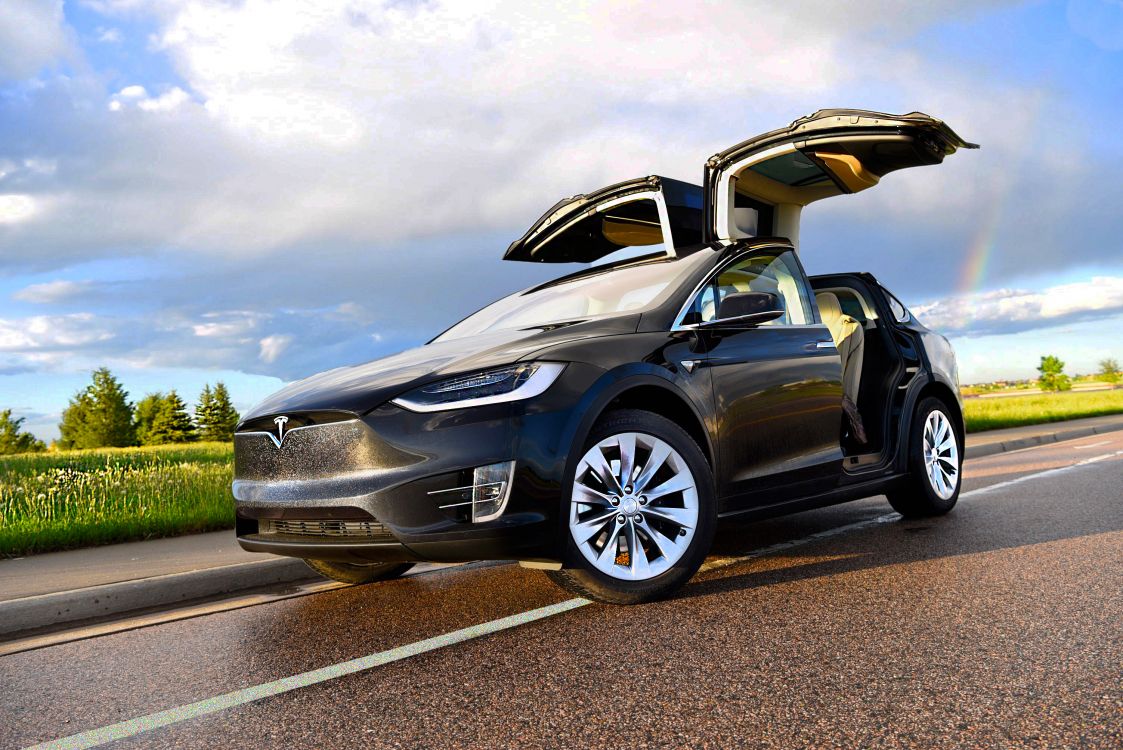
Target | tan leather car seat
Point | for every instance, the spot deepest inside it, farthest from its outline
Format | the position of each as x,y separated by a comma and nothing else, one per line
849,338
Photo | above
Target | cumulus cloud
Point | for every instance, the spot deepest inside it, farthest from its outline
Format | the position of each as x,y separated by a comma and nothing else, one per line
1012,310
44,333
274,346
51,291
138,96
32,36
16,208
365,121
109,36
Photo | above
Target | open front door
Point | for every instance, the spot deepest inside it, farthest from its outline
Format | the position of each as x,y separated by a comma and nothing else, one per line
647,211
759,187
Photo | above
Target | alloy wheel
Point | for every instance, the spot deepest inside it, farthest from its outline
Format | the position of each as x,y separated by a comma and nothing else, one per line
941,455
634,508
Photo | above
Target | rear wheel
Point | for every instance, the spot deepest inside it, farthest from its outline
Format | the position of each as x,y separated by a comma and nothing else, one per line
641,513
355,573
932,487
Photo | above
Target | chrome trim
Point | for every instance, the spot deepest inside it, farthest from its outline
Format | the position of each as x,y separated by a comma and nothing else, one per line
825,345
510,481
468,488
912,373
537,384
278,443
678,324
324,528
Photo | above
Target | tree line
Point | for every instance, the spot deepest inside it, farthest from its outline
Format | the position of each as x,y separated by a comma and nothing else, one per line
1054,379
101,416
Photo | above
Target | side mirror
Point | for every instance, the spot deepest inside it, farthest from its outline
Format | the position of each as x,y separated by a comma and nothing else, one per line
745,310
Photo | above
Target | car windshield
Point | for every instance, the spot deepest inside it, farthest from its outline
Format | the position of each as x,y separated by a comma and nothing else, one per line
594,293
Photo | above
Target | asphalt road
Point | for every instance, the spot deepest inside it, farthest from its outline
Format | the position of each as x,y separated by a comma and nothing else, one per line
999,625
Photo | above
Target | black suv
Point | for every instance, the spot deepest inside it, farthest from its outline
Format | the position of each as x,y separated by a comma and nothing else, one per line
599,425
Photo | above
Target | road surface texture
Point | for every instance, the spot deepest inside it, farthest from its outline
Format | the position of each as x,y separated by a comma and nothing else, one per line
999,625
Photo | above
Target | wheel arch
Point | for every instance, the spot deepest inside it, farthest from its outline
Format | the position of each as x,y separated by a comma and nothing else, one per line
653,392
941,390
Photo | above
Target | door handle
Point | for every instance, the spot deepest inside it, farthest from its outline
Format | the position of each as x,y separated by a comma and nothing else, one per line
819,345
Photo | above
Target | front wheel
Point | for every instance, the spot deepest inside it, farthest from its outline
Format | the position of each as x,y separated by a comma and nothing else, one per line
357,574
641,513
932,487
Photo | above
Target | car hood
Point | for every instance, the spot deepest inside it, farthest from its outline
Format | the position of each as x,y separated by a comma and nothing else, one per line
360,388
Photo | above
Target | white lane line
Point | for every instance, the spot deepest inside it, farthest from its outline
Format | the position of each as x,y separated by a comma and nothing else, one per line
139,725
132,727
1091,445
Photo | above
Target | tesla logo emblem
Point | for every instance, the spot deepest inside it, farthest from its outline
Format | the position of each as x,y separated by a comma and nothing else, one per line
280,422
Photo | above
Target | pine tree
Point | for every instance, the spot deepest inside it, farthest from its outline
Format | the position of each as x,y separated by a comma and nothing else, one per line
204,413
215,414
13,439
145,414
171,423
226,416
99,416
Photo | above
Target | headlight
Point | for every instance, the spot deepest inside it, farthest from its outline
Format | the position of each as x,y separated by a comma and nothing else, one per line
512,383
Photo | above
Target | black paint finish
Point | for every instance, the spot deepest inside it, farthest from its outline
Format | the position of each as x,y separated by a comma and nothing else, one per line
764,402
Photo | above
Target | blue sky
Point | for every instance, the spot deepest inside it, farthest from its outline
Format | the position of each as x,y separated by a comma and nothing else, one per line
195,190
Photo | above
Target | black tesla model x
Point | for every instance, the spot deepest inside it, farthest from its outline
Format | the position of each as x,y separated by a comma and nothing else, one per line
599,426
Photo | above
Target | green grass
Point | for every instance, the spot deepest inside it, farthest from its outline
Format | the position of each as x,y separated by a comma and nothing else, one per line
1016,411
52,501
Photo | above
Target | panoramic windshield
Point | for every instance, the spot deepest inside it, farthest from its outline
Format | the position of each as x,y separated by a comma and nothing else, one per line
593,293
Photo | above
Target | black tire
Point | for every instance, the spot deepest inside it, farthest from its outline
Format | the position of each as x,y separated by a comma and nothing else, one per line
917,498
358,574
579,577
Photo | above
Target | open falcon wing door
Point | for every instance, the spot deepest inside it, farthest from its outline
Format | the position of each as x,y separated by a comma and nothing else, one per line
647,211
759,187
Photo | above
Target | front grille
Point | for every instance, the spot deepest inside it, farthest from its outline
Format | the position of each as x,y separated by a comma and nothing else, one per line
366,531
335,450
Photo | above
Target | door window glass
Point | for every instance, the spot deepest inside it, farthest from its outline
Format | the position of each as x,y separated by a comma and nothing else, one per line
768,271
900,312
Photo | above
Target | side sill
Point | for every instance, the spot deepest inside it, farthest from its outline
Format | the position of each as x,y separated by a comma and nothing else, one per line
834,497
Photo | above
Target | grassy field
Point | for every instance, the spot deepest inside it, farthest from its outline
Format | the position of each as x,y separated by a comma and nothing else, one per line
1015,411
51,501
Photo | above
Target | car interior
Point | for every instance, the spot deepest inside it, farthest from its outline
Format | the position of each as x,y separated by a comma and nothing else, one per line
871,375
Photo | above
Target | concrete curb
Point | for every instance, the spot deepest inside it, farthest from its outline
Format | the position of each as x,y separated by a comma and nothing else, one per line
990,449
112,599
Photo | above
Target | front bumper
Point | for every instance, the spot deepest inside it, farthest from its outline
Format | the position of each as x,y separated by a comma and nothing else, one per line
382,466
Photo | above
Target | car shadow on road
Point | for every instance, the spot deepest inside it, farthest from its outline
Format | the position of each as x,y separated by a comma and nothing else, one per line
968,530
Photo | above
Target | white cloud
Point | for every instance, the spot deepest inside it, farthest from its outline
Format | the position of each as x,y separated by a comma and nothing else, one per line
52,332
273,347
169,100
359,120
51,291
15,208
136,95
1008,310
32,36
109,36
228,324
